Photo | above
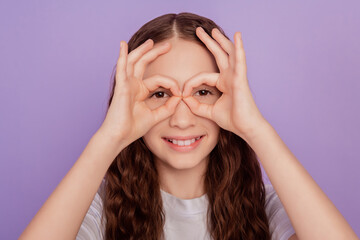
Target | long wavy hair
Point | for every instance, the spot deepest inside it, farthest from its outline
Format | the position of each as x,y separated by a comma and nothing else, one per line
233,182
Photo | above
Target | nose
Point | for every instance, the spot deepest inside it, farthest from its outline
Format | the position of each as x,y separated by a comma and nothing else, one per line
183,117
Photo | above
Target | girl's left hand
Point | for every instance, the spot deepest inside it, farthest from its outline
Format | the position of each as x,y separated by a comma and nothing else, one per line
235,110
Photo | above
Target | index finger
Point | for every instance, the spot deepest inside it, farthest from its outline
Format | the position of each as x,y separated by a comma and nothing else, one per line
210,79
120,76
140,66
221,57
156,81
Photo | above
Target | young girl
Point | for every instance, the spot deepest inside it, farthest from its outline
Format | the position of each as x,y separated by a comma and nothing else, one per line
178,149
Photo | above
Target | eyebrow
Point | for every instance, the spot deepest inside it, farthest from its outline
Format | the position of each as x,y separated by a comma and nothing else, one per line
160,88
205,85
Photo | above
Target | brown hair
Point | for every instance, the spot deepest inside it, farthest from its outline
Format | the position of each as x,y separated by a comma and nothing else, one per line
233,181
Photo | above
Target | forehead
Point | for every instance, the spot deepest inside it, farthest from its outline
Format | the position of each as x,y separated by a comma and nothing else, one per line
184,60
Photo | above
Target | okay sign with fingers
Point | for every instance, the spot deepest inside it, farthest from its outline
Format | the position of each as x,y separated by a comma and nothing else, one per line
235,110
128,116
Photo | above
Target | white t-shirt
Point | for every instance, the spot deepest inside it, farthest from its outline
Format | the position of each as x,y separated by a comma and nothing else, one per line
186,218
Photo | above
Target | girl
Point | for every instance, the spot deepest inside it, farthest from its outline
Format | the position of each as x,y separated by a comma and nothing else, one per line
178,149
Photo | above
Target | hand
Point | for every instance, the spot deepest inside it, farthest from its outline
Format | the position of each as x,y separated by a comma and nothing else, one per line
235,110
128,117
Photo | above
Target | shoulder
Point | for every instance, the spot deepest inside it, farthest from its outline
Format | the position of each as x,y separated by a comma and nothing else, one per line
272,201
279,222
101,190
92,227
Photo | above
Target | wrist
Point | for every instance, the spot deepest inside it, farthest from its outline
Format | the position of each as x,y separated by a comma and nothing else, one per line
113,144
255,131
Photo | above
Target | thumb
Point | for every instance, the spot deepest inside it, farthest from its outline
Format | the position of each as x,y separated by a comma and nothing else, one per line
200,109
166,110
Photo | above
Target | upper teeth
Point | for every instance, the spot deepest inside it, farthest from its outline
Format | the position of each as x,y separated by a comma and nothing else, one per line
183,143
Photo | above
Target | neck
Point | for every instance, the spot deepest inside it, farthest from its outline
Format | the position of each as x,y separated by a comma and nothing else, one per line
182,183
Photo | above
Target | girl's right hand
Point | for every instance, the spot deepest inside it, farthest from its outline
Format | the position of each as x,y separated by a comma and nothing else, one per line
128,117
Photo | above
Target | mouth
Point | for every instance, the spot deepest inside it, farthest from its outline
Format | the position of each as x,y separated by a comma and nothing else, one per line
182,144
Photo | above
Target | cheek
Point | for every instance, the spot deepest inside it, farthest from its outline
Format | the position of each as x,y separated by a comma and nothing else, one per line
211,99
149,142
149,137
212,128
152,138
154,103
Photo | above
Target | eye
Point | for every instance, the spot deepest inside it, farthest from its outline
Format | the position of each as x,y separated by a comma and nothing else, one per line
159,94
203,92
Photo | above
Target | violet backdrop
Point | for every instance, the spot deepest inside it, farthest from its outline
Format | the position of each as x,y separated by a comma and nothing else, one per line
56,59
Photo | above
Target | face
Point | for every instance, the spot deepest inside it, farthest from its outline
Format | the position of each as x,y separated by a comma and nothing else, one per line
184,140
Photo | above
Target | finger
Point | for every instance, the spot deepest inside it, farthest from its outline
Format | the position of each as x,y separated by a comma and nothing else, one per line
166,110
154,82
199,79
200,109
121,64
140,66
240,60
137,53
225,43
220,55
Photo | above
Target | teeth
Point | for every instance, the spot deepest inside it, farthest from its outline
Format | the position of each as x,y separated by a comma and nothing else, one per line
183,143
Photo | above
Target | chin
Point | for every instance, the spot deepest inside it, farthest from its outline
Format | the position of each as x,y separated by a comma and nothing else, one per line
180,162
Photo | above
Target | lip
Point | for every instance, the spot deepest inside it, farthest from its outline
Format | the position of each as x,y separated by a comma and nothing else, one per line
183,148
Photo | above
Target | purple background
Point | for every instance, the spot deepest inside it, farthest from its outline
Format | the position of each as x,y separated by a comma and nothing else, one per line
57,58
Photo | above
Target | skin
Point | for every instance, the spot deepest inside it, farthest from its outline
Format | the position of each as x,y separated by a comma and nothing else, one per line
181,173
311,212
131,116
